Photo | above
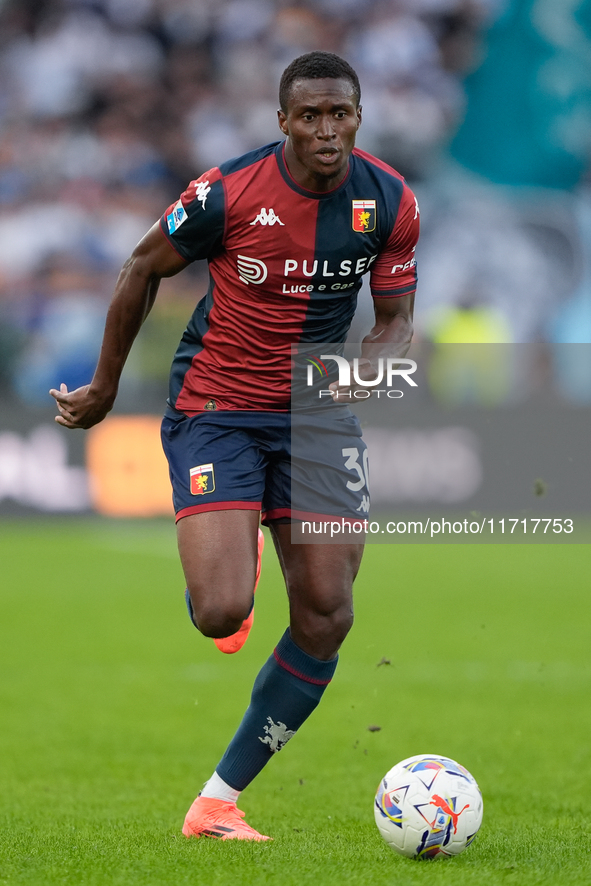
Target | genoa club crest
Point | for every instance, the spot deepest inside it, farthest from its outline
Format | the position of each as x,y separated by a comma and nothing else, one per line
202,479
364,216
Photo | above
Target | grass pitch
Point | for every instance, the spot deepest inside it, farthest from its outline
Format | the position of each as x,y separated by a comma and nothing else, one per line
113,711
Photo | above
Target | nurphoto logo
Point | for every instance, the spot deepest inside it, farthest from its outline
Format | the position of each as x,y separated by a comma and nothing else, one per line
389,371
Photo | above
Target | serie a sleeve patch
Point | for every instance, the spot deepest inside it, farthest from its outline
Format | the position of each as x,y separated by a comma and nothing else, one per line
194,225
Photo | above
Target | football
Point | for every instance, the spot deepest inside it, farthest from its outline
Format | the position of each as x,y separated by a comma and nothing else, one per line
427,807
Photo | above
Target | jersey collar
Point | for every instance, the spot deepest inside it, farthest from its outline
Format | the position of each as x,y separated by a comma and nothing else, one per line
291,182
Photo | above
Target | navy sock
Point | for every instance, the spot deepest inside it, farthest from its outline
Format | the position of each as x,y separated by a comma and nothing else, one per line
189,605
286,691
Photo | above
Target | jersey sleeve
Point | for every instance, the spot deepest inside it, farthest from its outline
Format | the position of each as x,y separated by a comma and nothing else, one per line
394,272
194,225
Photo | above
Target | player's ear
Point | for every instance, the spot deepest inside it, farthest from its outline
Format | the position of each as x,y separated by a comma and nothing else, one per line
359,110
282,120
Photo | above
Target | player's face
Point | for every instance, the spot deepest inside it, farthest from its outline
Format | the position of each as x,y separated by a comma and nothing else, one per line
320,123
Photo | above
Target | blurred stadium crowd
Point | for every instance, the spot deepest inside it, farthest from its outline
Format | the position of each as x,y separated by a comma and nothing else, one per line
109,107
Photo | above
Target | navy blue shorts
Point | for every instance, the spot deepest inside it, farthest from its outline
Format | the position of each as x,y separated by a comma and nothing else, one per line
244,460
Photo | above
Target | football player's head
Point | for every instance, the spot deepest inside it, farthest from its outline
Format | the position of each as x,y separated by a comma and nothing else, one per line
320,115
317,65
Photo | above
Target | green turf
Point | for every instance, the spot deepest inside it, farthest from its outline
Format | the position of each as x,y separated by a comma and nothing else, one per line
113,711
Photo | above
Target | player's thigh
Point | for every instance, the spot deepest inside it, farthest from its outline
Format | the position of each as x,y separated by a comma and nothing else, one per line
218,474
218,551
319,577
215,462
329,468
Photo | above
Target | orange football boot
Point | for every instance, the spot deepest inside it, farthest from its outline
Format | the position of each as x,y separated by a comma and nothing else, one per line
236,641
220,819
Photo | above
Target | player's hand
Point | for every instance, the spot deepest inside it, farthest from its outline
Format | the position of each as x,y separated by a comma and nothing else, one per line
346,393
81,408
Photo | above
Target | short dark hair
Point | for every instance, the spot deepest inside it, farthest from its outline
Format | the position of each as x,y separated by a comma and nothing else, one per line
315,66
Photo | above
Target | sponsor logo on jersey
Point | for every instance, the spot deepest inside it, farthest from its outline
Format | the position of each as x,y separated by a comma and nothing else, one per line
324,268
202,479
176,217
398,269
364,216
251,270
211,406
267,217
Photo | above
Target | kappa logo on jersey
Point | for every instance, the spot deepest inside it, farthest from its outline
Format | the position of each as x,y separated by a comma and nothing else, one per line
251,270
202,479
176,217
201,191
267,217
364,216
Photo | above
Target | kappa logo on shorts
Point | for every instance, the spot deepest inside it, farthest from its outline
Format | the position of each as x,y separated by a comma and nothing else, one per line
364,216
202,479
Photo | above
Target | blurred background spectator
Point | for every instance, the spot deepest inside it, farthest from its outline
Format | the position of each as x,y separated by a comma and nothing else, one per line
108,108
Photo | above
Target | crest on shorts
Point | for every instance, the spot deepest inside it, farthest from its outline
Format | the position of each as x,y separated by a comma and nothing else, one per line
202,479
364,216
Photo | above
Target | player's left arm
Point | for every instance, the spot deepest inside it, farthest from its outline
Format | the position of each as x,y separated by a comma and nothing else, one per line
393,283
391,334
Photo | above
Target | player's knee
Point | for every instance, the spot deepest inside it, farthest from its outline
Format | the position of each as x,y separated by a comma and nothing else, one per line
214,620
217,624
341,623
325,631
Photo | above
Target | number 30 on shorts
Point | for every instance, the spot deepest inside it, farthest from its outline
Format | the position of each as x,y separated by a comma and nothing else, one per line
361,469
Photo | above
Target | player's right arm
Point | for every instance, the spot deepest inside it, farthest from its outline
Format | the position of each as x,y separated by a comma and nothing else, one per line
135,292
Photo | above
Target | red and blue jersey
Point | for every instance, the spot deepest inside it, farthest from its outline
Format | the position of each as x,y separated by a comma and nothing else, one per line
285,267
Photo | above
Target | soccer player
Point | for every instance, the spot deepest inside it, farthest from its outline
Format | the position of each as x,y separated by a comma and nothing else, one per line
288,231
